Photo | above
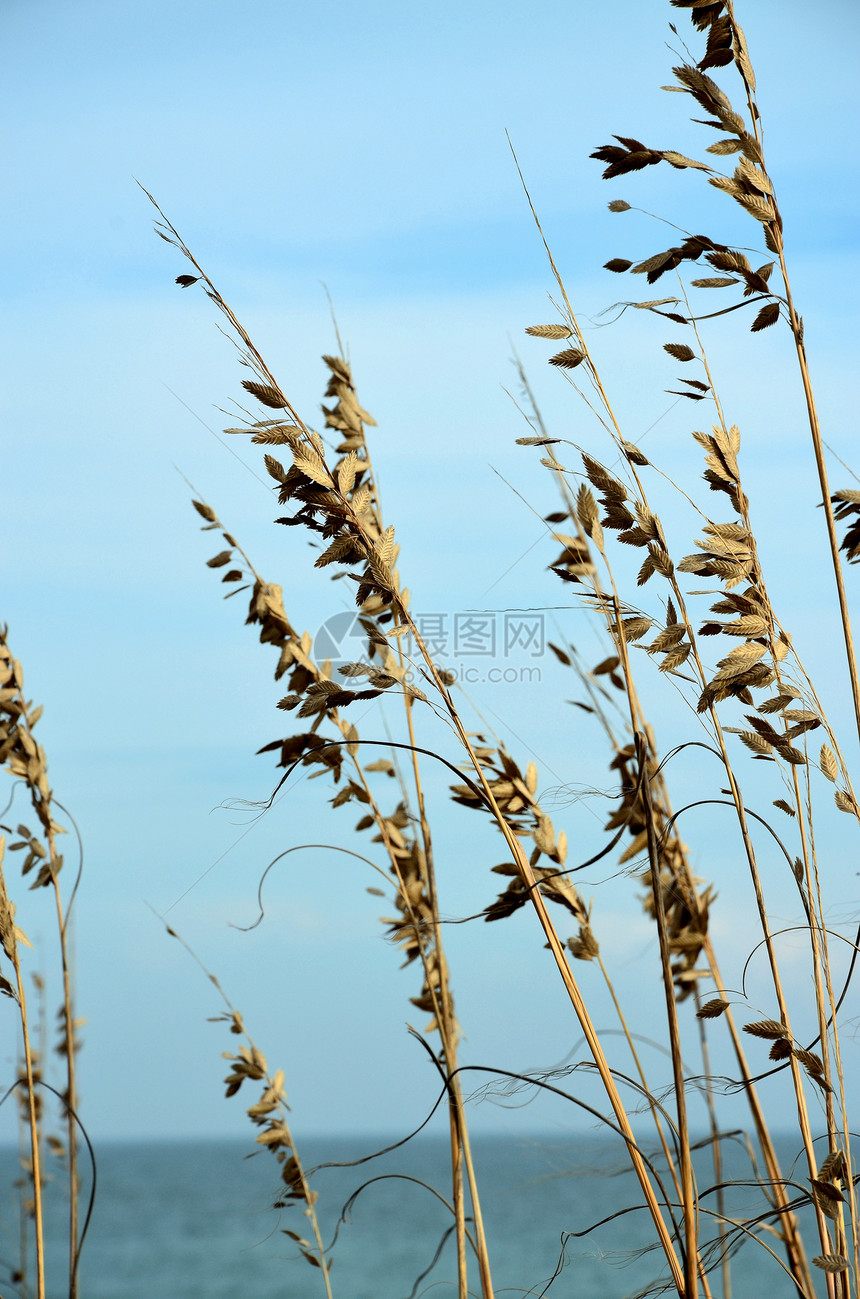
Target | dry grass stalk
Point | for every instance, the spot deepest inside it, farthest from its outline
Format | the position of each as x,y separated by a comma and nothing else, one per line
313,694
727,556
685,906
759,671
752,187
24,759
729,549
10,937
687,909
332,505
269,1114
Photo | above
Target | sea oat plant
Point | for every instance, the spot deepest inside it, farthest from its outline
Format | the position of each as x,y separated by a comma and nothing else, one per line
270,1113
25,761
750,699
762,657
334,503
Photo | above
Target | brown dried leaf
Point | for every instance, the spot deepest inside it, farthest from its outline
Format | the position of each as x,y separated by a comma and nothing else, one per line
550,331
668,638
756,207
713,282
712,1009
752,175
781,1050
784,807
693,396
828,765
647,571
811,1062
768,1028
654,303
827,1192
569,359
831,1262
635,628
768,315
757,743
680,160
633,454
655,263
680,351
738,659
675,658
833,1166
702,88
606,666
266,394
312,466
276,435
844,801
777,704
587,511
804,719
300,1240
585,946
275,468
729,259
730,186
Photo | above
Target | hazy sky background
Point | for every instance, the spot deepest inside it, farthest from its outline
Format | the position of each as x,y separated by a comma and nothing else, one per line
363,146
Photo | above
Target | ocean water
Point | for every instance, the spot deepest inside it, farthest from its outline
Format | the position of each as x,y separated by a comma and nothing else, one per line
192,1220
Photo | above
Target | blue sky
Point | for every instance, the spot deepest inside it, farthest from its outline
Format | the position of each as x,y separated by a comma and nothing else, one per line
362,146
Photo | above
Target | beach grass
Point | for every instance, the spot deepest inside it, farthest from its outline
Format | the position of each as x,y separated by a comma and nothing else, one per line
690,614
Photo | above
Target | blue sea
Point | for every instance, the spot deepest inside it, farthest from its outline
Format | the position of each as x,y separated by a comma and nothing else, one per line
192,1220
